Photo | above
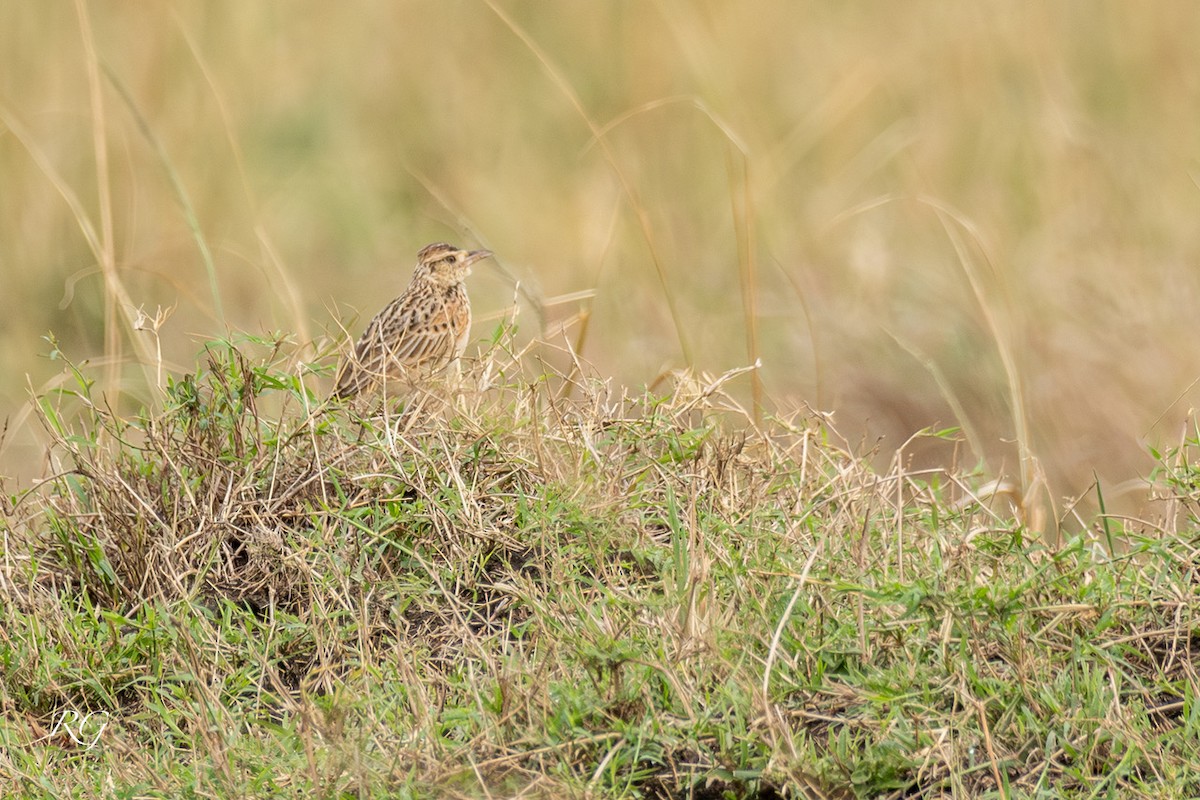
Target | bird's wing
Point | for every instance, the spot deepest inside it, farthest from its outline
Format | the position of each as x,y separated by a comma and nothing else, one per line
428,336
416,329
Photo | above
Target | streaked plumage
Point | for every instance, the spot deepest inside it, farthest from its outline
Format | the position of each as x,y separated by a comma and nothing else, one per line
420,331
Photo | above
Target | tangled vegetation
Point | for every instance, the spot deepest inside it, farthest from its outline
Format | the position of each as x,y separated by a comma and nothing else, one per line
532,585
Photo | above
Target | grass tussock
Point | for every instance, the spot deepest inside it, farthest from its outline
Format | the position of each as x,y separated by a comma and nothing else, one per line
533,585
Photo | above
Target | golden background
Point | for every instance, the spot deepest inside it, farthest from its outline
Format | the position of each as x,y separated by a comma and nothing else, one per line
917,215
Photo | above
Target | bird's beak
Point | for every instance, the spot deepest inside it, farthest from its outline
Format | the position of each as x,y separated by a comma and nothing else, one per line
472,257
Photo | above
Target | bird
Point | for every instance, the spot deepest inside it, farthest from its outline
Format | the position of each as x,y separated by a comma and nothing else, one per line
422,330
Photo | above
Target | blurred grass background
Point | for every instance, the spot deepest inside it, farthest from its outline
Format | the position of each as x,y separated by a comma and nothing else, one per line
969,214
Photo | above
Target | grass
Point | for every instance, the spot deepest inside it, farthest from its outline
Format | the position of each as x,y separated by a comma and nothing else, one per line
539,583
544,587
980,217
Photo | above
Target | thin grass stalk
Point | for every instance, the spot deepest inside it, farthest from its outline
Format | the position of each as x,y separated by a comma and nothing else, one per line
635,203
1016,391
814,334
743,228
86,227
181,194
107,255
957,408
299,318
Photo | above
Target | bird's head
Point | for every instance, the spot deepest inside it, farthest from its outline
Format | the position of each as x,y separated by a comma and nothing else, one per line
445,264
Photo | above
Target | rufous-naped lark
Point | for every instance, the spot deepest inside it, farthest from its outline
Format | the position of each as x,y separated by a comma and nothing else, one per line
422,330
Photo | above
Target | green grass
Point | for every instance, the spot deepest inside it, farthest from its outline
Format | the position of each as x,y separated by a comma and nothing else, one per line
548,588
